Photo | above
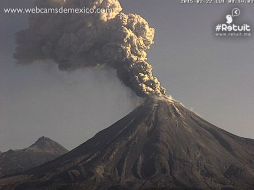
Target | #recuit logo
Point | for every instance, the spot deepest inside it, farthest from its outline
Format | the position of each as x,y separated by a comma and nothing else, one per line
232,29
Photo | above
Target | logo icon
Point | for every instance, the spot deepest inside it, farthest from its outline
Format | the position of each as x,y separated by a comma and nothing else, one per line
229,19
230,28
236,12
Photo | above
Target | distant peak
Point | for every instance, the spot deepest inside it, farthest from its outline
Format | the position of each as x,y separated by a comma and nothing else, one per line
46,144
43,141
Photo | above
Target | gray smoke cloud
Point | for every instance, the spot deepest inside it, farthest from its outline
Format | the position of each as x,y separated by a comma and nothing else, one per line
111,39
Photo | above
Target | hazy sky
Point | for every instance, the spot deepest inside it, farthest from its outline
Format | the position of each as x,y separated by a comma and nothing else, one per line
213,77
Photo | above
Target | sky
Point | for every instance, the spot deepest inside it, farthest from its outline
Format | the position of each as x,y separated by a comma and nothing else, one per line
213,77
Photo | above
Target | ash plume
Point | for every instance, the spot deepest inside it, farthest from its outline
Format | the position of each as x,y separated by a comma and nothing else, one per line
110,38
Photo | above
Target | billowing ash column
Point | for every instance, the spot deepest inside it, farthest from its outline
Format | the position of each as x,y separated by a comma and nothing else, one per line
111,38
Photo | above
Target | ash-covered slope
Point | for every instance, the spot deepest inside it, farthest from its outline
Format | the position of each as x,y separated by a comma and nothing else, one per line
160,145
17,161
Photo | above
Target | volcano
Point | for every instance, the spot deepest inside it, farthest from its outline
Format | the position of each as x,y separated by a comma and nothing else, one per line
159,145
17,161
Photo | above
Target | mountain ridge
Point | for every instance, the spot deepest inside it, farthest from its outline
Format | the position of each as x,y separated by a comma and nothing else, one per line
17,161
